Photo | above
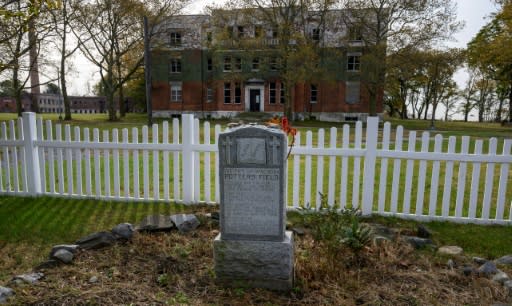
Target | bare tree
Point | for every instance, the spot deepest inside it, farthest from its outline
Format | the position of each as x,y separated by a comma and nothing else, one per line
112,31
388,26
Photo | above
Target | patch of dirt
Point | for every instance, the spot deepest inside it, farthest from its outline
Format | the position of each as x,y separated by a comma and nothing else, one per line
172,268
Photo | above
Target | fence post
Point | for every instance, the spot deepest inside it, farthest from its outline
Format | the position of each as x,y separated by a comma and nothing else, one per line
31,154
187,129
372,134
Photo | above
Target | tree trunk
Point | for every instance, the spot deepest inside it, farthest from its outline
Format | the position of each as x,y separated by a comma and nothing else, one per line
122,106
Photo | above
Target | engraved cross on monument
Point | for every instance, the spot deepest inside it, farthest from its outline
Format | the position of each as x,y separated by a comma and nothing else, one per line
253,248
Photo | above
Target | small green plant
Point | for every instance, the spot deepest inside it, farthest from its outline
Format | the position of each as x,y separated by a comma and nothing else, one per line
336,228
163,280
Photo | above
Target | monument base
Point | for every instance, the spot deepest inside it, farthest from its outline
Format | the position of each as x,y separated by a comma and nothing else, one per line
259,264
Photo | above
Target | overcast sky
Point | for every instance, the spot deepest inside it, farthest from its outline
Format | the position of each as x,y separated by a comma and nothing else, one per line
474,13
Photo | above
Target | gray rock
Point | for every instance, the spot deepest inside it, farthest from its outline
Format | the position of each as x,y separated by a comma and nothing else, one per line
30,278
479,260
64,256
424,232
450,264
468,271
73,248
450,250
417,242
500,277
155,223
93,279
505,260
383,231
50,263
298,230
185,223
488,269
379,240
508,285
96,241
5,293
123,231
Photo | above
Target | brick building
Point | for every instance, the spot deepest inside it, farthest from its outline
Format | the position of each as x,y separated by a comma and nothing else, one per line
201,65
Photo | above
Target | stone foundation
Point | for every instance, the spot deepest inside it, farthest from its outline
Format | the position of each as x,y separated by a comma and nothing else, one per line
261,264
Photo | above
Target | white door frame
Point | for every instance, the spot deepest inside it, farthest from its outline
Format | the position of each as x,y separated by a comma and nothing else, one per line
248,96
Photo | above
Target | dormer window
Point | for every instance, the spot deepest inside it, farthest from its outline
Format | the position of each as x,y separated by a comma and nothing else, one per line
175,39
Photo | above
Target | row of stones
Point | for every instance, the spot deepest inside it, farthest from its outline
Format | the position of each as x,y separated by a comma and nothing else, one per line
486,268
64,253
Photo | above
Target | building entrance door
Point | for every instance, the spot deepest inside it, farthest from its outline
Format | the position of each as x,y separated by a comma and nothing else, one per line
254,100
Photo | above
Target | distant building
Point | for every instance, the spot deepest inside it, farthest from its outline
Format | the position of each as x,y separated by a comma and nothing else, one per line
192,72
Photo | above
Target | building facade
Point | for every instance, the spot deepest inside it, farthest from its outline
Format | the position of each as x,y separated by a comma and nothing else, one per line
222,68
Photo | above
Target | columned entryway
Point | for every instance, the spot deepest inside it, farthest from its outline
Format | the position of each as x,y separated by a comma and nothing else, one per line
254,96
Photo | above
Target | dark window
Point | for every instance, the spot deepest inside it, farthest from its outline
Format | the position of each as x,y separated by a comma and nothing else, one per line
353,62
256,63
314,94
241,31
315,34
227,92
258,31
209,94
355,34
238,93
272,93
227,63
175,92
238,64
352,92
175,65
209,36
274,33
175,39
274,65
282,94
210,64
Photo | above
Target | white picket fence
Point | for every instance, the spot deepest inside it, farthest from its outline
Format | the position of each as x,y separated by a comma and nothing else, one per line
424,184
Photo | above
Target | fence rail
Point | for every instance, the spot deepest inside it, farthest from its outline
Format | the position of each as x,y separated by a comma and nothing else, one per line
425,178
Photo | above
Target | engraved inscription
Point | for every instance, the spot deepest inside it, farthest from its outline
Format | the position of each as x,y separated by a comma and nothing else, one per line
251,201
251,151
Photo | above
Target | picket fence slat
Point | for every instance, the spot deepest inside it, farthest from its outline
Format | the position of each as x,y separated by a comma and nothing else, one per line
320,169
489,180
165,140
136,183
332,168
145,163
207,165
500,205
21,157
420,196
87,157
42,162
307,172
51,160
396,170
156,165
344,168
461,181
126,165
475,182
296,174
434,183
60,159
448,179
115,161
97,173
78,154
75,164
